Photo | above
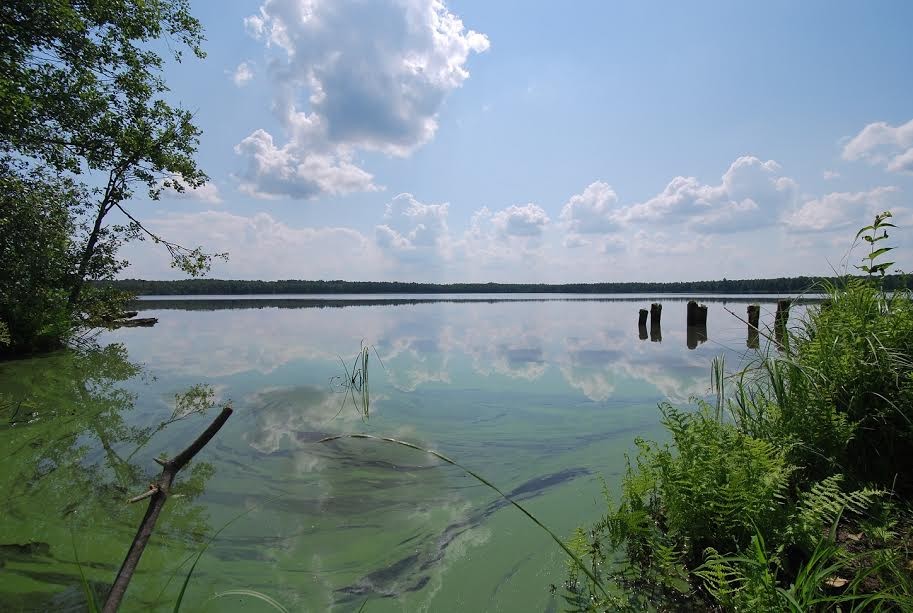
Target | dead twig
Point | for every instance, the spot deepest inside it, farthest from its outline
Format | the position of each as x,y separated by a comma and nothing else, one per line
158,492
153,488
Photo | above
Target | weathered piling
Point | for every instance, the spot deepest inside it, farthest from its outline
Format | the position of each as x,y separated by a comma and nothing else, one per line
695,335
780,320
656,312
697,314
642,325
783,309
696,324
754,319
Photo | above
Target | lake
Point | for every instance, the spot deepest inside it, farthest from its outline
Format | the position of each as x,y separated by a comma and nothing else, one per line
542,395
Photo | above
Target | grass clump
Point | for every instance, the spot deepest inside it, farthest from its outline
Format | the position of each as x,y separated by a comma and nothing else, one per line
793,492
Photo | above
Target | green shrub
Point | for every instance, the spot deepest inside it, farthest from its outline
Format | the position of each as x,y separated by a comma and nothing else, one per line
709,488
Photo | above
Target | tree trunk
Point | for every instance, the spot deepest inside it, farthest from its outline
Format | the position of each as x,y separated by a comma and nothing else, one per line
87,254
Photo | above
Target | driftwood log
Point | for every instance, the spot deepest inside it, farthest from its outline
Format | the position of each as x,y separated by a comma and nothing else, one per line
157,493
139,322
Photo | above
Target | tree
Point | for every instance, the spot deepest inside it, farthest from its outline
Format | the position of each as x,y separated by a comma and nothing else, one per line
82,95
36,257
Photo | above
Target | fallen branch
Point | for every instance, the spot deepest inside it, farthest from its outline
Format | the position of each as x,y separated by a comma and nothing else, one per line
158,492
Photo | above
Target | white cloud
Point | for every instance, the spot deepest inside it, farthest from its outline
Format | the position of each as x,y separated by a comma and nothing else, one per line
830,174
355,76
410,225
511,236
527,220
591,212
573,241
286,171
902,162
176,189
752,194
883,144
242,74
839,210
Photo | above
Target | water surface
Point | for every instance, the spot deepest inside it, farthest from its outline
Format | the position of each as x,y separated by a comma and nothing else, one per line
543,395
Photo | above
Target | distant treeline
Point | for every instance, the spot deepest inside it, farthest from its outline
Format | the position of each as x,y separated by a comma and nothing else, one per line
782,285
220,304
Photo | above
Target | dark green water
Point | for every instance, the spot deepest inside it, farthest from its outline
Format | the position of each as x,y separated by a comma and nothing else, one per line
544,398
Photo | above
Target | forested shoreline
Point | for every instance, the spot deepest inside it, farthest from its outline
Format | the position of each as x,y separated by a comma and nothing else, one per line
792,285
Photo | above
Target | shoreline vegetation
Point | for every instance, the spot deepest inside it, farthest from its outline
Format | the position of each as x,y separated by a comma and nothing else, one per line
202,287
787,492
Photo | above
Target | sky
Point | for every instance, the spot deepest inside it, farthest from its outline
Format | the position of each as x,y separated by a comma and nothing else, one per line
522,141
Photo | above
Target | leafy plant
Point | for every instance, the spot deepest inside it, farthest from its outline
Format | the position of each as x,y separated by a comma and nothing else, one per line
876,233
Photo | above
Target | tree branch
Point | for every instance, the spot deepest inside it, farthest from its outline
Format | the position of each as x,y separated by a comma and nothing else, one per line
160,491
173,248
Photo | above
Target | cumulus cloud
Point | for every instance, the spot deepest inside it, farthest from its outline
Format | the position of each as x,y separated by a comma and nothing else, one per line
176,189
830,174
591,212
242,74
527,220
751,194
353,76
274,171
410,225
839,210
512,233
883,144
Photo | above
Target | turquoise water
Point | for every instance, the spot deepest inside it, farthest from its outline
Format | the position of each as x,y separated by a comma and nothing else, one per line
544,398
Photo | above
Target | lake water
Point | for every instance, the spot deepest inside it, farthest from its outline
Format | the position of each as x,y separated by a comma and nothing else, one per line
542,395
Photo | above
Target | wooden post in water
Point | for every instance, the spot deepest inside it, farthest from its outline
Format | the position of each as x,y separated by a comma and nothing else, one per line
696,324
754,319
656,312
780,321
642,324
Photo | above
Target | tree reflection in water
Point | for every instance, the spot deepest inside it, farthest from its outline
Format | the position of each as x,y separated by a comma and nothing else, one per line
70,442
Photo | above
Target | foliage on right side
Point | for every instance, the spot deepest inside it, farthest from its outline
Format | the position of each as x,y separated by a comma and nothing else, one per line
792,492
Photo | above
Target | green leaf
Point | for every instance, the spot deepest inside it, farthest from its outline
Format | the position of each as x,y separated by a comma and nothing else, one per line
862,230
878,252
86,588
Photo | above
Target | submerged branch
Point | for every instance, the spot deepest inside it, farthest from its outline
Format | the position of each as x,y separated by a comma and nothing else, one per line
158,492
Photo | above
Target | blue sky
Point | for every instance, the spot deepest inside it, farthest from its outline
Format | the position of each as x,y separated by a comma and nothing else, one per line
530,141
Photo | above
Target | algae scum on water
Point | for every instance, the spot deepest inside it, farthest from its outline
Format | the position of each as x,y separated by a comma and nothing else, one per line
542,398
